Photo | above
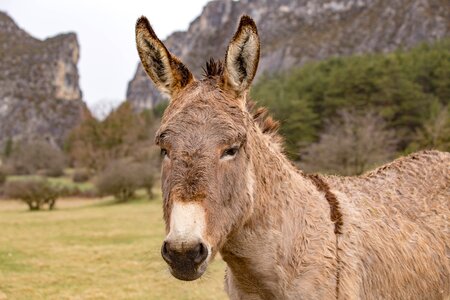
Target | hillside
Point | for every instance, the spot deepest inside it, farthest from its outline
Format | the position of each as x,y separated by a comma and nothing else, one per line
408,89
295,32
39,91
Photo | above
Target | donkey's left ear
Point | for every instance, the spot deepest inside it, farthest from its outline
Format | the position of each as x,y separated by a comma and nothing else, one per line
168,73
242,57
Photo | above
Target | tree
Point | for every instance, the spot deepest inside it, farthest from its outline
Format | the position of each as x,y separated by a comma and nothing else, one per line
350,144
36,156
401,87
293,110
435,131
3,176
94,144
8,148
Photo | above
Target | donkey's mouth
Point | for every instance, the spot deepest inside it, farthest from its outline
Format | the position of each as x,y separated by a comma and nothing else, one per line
186,273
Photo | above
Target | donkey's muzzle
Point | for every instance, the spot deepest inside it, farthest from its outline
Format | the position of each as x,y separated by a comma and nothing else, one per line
186,262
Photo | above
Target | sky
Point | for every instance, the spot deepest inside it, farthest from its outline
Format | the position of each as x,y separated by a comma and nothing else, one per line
105,30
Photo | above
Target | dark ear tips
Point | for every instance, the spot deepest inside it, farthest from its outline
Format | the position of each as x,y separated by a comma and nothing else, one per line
166,71
143,24
246,21
242,56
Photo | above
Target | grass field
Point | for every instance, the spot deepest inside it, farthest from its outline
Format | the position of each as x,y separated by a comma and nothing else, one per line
92,249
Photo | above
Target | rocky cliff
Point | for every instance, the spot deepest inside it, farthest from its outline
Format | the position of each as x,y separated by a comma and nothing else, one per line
39,91
296,31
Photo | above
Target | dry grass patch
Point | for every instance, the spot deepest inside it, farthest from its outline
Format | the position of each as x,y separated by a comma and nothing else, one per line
92,250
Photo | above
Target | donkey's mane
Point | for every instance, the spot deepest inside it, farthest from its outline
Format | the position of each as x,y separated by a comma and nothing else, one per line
215,68
262,118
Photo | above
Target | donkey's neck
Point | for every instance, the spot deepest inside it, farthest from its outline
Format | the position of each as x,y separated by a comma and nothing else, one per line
263,254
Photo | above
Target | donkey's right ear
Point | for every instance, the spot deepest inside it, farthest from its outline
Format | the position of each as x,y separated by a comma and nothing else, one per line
168,73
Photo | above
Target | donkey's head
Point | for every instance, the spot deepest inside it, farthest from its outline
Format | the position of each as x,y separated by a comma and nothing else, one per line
207,176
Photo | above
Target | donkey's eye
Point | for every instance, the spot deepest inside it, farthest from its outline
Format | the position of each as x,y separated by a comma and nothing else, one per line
230,153
164,153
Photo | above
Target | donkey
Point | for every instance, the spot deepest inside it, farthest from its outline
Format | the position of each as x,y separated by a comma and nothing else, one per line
229,189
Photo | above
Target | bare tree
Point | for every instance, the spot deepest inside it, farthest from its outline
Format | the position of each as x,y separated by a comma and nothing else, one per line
435,132
39,156
350,144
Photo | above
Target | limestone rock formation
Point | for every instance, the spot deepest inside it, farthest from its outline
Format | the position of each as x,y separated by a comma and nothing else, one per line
296,31
39,91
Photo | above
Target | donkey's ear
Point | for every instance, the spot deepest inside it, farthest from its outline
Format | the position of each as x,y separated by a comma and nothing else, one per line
242,57
168,73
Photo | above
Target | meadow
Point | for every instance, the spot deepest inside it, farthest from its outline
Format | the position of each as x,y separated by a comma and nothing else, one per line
92,249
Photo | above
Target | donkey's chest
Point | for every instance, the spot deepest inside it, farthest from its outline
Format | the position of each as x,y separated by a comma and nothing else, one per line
249,279
268,274
253,286
282,264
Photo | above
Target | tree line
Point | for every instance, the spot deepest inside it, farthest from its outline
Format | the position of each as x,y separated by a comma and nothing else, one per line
408,91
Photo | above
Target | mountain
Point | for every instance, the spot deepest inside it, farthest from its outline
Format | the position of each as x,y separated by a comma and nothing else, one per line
39,91
297,31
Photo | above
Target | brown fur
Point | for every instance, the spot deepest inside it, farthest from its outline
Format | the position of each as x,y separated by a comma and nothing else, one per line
335,211
213,69
287,235
168,73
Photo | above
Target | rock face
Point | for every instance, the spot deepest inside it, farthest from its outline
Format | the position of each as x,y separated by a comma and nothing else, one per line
39,91
296,31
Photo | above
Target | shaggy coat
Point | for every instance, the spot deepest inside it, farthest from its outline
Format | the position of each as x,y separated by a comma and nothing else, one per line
284,234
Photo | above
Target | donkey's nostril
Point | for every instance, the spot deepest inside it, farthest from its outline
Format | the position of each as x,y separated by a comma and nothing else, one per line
201,253
165,252
193,255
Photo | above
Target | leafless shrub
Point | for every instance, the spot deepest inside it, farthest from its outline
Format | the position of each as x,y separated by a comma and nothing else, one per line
123,177
435,132
81,175
120,179
36,157
350,144
94,144
148,179
2,176
34,192
75,191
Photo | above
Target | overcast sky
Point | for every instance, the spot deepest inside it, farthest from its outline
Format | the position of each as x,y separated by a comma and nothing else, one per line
105,30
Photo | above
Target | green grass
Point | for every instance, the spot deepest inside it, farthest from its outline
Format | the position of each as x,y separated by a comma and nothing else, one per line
88,249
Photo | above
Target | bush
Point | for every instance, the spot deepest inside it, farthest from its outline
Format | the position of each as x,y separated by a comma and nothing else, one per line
120,179
81,175
93,144
89,193
147,179
69,191
351,144
52,172
435,131
74,191
36,157
2,177
34,192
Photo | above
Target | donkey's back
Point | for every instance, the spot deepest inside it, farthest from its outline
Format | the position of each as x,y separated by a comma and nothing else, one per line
396,222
